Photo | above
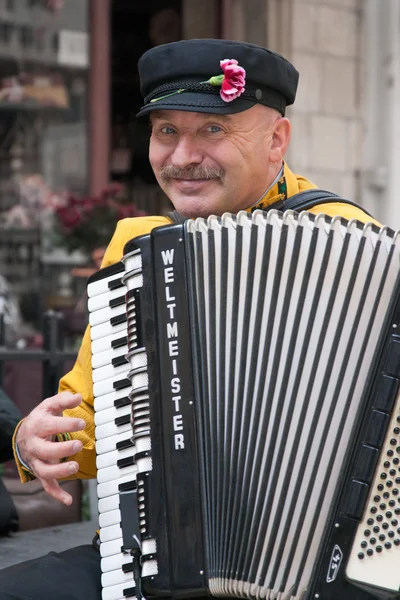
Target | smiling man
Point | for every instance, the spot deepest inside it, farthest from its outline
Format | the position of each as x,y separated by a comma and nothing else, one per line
219,137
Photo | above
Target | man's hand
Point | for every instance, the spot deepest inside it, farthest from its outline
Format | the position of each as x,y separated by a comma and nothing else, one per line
38,448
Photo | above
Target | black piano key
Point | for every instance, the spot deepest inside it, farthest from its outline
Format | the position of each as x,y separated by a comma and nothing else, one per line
115,284
118,319
127,486
129,592
114,302
121,384
124,444
120,402
118,361
122,341
125,462
127,567
124,420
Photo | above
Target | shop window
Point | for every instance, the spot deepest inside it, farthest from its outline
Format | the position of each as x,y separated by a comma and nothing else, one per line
44,62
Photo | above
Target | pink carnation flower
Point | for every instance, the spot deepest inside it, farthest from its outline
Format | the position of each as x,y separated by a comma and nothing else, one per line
234,81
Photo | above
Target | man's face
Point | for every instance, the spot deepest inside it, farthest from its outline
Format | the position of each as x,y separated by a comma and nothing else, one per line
212,164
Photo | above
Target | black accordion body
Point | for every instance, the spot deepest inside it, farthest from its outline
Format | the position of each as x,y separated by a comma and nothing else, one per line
246,378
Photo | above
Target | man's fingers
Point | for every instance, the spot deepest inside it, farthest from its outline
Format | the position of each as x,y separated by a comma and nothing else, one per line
50,425
54,451
53,488
56,404
48,471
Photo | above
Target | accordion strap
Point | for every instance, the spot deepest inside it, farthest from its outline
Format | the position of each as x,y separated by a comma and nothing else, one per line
310,198
298,202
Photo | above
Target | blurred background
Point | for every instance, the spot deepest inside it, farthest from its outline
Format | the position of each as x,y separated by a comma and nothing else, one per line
70,147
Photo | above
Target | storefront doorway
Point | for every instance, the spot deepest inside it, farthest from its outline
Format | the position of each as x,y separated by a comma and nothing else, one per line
136,27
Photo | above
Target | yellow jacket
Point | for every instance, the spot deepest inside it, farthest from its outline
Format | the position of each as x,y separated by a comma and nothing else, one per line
79,380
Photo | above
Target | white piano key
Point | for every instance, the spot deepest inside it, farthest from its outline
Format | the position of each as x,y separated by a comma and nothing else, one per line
109,371
101,285
111,548
118,576
107,400
108,504
111,429
105,315
106,329
102,300
106,386
104,344
101,359
110,443
117,561
110,414
110,458
112,532
114,473
109,488
115,592
111,517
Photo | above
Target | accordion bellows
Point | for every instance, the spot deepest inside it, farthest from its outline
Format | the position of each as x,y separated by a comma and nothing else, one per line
257,353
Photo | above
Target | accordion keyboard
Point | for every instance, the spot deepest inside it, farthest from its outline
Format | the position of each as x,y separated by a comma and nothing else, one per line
111,386
120,389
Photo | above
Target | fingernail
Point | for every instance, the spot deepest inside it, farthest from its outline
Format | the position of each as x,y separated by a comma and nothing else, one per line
72,469
66,500
82,424
76,446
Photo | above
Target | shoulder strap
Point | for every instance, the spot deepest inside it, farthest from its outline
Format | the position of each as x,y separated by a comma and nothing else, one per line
310,198
176,217
298,202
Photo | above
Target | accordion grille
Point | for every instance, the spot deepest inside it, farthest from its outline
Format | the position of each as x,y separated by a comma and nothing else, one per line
289,309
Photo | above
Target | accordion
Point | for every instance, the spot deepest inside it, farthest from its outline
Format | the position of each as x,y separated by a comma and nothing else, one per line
246,379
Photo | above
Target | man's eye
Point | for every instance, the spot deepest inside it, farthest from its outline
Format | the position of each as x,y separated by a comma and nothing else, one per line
167,130
214,129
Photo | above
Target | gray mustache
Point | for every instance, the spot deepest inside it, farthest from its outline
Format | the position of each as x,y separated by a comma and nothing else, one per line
171,172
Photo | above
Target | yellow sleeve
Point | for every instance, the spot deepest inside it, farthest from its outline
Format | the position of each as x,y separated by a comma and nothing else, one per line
79,379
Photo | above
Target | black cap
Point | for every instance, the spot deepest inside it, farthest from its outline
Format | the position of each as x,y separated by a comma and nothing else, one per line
185,66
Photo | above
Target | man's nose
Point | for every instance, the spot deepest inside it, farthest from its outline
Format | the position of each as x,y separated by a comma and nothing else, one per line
186,153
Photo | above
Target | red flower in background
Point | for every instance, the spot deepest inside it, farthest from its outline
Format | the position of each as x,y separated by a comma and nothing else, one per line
88,222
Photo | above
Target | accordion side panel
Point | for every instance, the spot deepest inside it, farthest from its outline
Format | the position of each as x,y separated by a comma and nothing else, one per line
178,452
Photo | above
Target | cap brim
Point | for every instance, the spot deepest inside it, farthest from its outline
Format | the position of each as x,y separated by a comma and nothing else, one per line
198,102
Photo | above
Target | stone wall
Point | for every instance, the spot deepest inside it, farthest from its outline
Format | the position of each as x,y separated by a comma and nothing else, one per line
324,40
327,118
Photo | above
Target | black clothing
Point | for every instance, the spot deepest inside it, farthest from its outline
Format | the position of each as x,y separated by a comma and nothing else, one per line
71,575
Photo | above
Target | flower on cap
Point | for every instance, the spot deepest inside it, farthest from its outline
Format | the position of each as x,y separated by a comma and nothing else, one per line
232,82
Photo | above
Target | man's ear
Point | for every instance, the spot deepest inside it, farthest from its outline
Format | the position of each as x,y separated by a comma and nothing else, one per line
280,139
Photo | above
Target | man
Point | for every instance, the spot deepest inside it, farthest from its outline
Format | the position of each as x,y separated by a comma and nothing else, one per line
219,136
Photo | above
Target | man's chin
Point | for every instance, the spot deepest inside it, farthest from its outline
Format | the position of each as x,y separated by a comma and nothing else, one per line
195,205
